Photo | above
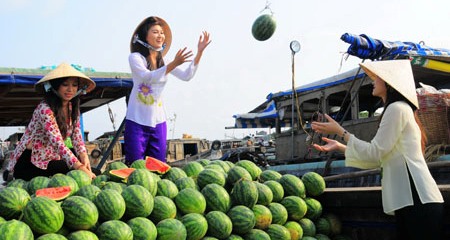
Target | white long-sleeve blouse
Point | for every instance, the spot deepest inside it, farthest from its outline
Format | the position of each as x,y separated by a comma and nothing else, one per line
396,148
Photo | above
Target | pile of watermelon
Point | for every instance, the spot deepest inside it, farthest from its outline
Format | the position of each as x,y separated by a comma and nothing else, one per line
205,199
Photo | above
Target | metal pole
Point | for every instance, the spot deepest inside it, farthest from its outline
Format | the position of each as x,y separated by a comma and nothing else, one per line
295,48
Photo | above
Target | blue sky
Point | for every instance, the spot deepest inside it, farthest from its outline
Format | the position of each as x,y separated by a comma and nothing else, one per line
237,72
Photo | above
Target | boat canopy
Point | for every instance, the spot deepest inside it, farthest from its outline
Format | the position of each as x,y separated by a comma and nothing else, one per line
425,61
18,98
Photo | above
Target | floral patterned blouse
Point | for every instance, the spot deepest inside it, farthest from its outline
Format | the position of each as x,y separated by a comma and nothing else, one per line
46,140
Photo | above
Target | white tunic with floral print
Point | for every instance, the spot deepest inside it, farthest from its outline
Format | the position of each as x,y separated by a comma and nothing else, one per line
145,105
46,140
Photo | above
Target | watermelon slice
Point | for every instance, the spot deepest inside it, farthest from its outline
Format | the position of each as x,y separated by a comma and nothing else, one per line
55,193
122,173
156,165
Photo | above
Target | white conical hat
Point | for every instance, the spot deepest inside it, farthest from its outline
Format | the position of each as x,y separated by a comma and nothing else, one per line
66,70
397,73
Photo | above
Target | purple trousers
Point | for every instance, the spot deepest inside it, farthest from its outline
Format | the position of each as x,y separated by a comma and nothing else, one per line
141,141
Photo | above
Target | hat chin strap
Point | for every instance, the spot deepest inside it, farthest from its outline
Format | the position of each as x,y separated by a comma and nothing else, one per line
136,39
48,87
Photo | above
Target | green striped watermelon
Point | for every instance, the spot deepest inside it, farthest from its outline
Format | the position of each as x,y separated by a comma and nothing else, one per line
295,206
265,195
217,198
314,208
174,173
2,220
257,234
14,229
196,225
88,191
322,226
279,213
19,183
143,228
61,180
82,235
308,226
12,201
36,183
292,185
167,188
144,178
314,183
269,174
335,223
263,216
113,230
225,166
164,208
171,229
190,200
277,190
186,182
242,218
236,173
112,185
204,162
43,215
138,201
245,193
79,213
279,232
295,229
110,205
263,27
80,177
234,237
219,224
138,164
251,167
100,180
51,236
192,169
208,176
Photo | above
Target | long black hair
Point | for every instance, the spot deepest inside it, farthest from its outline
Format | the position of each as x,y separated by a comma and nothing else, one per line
142,34
55,103
392,95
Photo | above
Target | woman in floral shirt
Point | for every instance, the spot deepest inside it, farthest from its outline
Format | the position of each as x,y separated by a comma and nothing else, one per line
145,126
52,142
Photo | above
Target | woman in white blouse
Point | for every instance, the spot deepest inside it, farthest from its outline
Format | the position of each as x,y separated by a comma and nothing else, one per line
408,189
145,125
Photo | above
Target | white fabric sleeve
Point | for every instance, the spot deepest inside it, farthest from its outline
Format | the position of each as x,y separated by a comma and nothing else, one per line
365,155
185,74
138,66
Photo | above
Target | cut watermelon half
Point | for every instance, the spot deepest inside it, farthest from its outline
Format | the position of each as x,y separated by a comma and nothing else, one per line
156,165
122,173
55,193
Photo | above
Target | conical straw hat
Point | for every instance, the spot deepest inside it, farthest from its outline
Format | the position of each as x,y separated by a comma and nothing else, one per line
164,26
397,73
65,70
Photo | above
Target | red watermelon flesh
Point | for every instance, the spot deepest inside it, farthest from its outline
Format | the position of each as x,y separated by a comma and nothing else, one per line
156,165
122,173
55,193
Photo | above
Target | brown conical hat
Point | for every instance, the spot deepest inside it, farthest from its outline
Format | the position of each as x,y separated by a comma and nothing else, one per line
397,73
65,70
166,29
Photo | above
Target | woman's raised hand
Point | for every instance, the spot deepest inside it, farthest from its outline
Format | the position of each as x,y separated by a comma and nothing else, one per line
203,41
328,127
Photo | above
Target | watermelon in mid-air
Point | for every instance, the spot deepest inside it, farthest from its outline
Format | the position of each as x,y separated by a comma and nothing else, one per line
264,27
